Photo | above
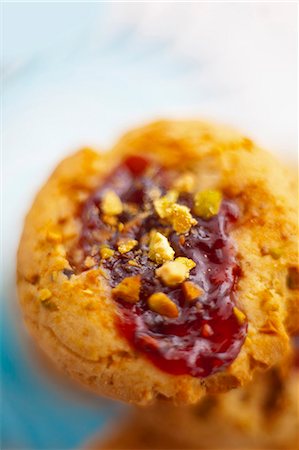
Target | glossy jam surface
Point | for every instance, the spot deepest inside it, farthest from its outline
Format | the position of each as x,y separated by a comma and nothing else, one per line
206,336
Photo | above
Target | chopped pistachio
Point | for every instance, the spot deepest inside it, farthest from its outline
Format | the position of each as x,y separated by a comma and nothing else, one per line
44,294
162,304
207,203
125,245
181,218
239,315
133,263
111,204
109,220
178,216
189,263
162,205
185,183
174,272
159,248
191,291
106,252
128,289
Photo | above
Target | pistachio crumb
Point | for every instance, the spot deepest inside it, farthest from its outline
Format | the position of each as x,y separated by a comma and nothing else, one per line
181,218
111,204
178,216
128,289
106,252
239,315
207,203
160,249
125,245
44,294
175,272
110,220
189,263
162,304
191,291
162,205
133,263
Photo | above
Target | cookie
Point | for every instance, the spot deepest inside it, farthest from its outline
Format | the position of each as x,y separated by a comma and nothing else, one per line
262,415
132,434
166,267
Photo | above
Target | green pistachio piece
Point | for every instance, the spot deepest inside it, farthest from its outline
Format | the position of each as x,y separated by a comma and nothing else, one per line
207,203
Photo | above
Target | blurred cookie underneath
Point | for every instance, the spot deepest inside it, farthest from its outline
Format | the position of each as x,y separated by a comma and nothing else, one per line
264,415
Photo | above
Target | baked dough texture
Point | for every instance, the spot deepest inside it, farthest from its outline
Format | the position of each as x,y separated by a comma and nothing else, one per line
263,415
72,316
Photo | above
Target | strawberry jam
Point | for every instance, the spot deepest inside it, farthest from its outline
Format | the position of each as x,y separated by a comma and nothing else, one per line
207,335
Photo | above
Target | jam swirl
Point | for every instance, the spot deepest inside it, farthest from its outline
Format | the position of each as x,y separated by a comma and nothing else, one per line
207,335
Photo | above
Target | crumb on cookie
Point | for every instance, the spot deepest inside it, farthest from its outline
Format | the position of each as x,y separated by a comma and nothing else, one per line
44,294
162,304
106,252
111,204
207,203
175,272
163,204
128,289
125,245
191,291
160,249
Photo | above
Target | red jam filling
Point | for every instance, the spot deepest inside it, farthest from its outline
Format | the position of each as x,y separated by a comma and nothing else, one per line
207,335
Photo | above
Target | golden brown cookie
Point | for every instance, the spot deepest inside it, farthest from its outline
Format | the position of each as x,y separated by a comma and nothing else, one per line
166,267
262,415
